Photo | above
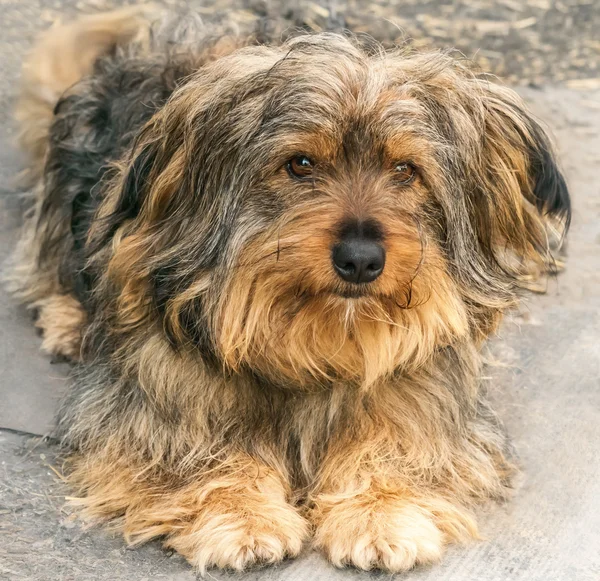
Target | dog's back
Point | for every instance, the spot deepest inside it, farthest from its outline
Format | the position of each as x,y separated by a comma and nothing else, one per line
87,89
61,58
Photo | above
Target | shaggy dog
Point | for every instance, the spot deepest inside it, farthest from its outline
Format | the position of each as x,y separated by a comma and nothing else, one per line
274,266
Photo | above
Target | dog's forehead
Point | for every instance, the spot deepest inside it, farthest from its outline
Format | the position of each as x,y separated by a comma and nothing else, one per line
340,87
323,93
353,104
326,78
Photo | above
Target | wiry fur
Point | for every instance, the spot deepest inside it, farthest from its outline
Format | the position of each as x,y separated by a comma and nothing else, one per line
234,396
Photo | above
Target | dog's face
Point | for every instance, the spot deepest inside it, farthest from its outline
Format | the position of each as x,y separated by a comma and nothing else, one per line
314,213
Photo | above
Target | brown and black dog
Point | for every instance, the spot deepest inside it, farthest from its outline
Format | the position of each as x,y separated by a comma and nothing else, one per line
274,266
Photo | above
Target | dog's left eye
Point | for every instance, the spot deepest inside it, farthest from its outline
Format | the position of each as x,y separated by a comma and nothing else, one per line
300,166
405,172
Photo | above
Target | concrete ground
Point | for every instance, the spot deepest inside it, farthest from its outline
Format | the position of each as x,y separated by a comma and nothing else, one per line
545,384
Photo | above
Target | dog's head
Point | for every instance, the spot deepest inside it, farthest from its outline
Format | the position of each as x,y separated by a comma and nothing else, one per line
319,212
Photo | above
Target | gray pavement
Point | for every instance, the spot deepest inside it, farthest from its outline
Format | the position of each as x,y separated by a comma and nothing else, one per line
545,382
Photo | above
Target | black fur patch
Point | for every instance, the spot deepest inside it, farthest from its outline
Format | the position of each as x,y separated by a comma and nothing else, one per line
550,190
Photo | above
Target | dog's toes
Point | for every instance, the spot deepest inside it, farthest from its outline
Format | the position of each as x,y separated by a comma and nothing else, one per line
395,541
392,535
248,550
238,541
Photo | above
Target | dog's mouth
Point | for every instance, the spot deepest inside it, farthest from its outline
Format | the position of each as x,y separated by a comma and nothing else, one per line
347,294
357,293
344,293
364,295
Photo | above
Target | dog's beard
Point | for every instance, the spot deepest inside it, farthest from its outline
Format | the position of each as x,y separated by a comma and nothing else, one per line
298,336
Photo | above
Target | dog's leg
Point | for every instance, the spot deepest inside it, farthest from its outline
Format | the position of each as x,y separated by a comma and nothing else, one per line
390,495
234,516
241,519
372,520
404,464
382,524
61,319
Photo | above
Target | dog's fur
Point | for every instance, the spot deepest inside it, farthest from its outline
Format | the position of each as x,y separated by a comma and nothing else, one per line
231,394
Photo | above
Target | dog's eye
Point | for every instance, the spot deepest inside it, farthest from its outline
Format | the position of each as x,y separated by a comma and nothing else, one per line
405,172
300,166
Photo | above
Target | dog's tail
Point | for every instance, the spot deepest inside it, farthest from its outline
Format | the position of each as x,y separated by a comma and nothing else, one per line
62,56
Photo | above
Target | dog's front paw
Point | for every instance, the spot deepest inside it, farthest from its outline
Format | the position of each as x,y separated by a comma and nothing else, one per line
391,534
238,541
394,539
237,532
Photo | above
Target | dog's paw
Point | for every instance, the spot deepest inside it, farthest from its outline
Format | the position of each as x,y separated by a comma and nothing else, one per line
394,539
238,542
242,535
391,535
60,321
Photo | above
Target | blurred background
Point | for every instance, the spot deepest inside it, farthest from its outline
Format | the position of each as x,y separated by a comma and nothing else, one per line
546,390
526,42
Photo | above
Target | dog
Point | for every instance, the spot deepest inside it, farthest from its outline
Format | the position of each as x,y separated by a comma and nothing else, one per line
274,266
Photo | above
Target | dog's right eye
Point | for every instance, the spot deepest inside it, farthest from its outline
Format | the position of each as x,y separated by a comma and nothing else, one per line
300,167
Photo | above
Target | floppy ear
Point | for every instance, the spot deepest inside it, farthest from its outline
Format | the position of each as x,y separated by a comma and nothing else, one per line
125,239
143,180
550,190
519,188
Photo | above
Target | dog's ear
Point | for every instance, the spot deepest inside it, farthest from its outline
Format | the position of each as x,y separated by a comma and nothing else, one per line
143,183
130,229
510,122
518,188
550,190
133,188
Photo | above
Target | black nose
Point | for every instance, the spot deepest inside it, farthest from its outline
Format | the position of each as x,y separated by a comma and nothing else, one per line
358,259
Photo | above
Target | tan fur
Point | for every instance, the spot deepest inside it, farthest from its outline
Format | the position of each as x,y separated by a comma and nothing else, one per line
323,336
383,526
61,319
236,515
